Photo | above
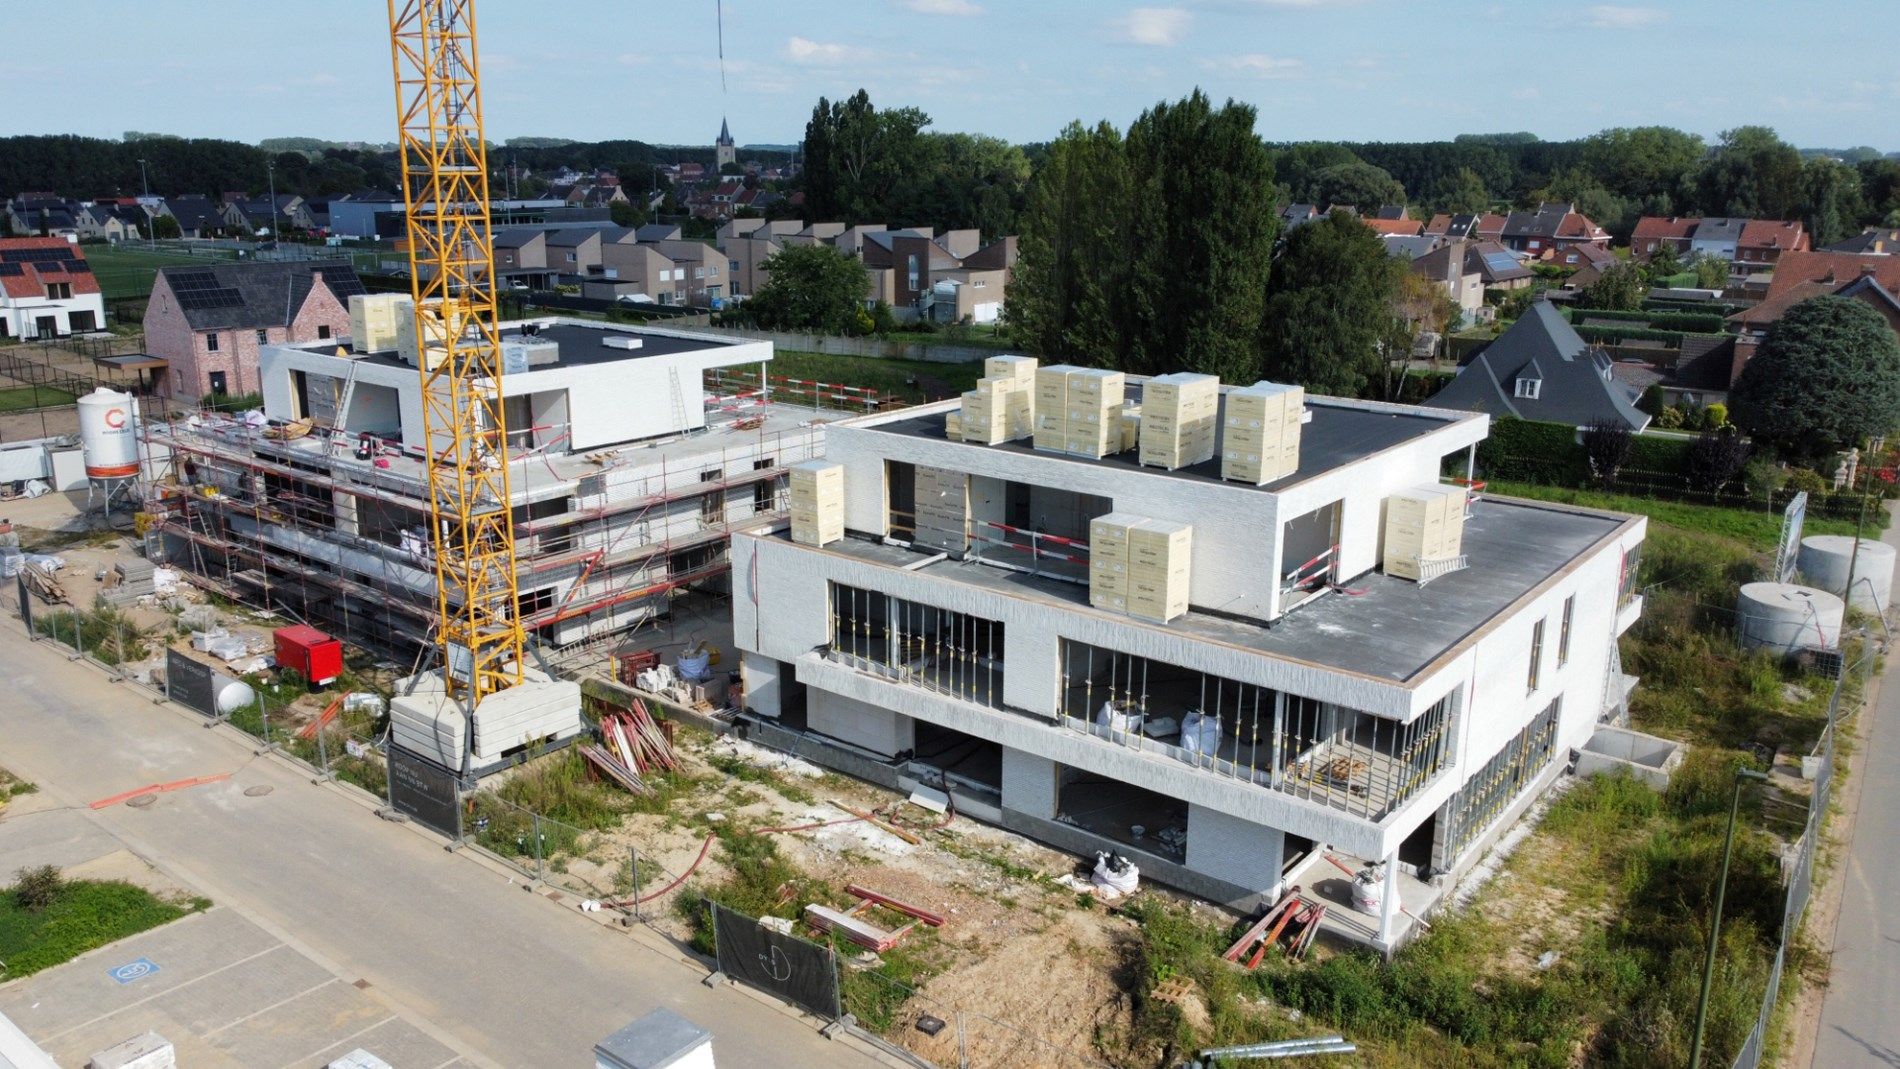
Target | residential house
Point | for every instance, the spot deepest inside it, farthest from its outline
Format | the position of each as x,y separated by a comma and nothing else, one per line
1488,226
1392,211
47,290
1541,369
1589,263
1294,216
1501,268
1717,237
43,214
1872,278
256,215
1456,266
208,322
1655,232
656,232
1765,241
521,258
1551,226
359,214
639,269
110,222
1873,241
1409,247
1393,227
574,252
198,216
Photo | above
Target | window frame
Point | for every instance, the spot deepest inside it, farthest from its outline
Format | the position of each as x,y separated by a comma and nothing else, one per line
1534,677
1564,629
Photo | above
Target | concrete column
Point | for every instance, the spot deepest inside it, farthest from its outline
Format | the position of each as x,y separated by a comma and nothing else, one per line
1233,850
1029,784
1389,902
762,683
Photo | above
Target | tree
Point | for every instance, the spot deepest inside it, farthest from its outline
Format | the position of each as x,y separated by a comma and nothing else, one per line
1751,173
858,159
166,226
1651,402
1073,251
1202,226
1826,377
1607,445
1358,184
1464,194
1642,161
1832,201
1619,288
1664,263
625,213
1711,272
1332,292
812,287
1716,459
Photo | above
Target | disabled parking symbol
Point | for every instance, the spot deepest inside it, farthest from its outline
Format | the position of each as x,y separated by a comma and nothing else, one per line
133,970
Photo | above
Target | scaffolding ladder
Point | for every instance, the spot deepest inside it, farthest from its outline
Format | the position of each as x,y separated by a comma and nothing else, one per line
679,397
339,418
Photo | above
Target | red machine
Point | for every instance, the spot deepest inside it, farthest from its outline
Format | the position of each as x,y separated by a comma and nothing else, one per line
311,652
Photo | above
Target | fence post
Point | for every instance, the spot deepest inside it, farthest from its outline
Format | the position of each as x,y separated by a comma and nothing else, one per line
539,872
323,759
963,1049
119,654
263,716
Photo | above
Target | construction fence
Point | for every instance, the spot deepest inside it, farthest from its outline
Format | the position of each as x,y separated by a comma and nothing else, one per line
1799,870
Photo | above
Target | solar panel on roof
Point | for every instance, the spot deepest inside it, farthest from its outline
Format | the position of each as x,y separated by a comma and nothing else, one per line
11,269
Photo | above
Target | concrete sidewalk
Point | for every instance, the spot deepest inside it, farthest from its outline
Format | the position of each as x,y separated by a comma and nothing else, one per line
452,945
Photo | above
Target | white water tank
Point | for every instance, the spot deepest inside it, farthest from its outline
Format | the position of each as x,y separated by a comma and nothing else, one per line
1825,560
108,434
235,695
1785,617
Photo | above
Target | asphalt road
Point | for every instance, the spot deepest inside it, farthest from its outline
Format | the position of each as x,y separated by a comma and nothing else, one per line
1860,1015
510,977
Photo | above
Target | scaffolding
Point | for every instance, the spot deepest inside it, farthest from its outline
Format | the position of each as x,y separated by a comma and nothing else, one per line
342,544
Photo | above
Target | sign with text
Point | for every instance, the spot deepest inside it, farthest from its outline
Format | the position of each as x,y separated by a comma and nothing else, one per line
424,792
190,683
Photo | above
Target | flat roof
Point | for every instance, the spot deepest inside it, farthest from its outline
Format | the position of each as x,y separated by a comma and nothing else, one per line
581,345
1338,435
1387,628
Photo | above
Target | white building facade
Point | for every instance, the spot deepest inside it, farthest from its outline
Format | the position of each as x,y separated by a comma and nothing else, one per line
1307,702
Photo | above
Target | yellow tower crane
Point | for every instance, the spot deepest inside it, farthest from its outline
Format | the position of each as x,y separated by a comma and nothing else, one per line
452,272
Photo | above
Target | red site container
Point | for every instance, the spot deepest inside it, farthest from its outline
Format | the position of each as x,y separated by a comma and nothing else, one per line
311,652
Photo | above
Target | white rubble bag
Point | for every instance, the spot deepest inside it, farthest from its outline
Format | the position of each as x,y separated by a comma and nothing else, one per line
1117,720
1116,873
1200,733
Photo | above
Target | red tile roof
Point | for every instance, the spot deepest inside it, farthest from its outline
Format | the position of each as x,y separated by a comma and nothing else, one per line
1391,227
1772,234
1796,268
34,275
1655,228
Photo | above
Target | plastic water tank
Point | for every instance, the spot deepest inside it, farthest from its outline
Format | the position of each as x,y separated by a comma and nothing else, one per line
1786,617
235,695
108,434
1825,560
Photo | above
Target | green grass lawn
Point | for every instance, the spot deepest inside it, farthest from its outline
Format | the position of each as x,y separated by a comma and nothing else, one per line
128,272
1757,529
86,915
902,378
26,398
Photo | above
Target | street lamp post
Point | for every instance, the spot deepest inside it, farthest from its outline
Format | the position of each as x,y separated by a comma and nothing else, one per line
1715,925
151,226
270,175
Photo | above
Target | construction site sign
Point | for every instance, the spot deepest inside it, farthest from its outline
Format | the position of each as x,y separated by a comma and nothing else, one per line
424,792
191,683
796,970
1789,548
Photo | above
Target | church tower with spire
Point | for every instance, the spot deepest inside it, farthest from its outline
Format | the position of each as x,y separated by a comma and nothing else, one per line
724,150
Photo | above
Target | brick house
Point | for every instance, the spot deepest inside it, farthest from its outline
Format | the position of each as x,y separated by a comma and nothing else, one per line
1653,232
1873,279
1551,226
208,322
47,289
1764,241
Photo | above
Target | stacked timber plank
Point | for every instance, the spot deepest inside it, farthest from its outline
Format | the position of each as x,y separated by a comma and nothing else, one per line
943,510
379,320
1078,410
1140,566
817,502
1260,434
1002,408
1425,523
1179,416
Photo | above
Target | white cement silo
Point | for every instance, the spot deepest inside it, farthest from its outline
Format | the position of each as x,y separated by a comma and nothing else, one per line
1825,560
108,434
1785,617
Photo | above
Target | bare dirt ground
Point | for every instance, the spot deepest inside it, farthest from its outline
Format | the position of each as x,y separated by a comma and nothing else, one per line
1026,957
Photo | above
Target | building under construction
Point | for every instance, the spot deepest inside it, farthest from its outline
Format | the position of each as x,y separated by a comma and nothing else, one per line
636,453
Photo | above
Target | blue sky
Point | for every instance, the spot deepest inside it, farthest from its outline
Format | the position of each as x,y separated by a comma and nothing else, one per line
1020,69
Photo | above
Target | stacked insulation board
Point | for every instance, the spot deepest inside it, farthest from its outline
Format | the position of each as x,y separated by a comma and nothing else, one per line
1423,524
943,510
817,502
428,722
1131,426
1179,416
1078,411
1260,433
1139,566
997,411
379,320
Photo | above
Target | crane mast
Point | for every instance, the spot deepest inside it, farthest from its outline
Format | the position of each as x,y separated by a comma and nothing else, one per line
458,342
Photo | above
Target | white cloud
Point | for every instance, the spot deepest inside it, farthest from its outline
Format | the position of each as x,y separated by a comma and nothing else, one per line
943,7
819,53
1618,17
1257,66
1527,93
1161,26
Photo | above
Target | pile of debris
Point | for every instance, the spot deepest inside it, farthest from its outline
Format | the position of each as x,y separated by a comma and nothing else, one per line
632,746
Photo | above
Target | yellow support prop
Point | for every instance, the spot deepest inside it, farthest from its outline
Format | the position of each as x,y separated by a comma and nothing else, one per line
452,278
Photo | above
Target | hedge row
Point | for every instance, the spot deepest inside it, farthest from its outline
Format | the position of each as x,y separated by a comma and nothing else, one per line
1522,450
1610,335
1686,322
